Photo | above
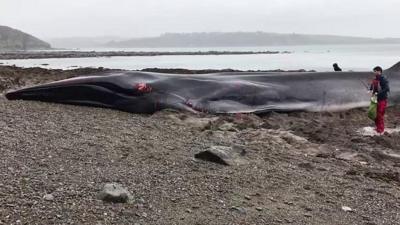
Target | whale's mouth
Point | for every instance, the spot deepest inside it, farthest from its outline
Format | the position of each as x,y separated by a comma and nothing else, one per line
71,94
12,95
62,90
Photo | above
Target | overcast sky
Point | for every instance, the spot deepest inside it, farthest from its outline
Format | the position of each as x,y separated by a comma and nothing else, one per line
137,18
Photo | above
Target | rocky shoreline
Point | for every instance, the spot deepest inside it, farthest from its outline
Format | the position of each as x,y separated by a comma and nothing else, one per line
88,54
61,163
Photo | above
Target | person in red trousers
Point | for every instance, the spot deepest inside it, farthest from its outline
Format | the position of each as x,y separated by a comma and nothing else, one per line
380,87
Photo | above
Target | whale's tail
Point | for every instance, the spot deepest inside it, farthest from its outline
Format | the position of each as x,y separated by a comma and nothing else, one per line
394,68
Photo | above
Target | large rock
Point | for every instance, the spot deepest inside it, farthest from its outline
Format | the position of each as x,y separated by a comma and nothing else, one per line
224,155
11,40
113,192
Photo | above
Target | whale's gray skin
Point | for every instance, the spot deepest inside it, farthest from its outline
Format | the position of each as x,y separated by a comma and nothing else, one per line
215,93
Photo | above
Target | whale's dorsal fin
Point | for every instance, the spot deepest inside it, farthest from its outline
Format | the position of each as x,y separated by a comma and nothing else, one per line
394,68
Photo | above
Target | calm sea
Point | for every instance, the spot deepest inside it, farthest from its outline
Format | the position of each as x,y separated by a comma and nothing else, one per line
317,57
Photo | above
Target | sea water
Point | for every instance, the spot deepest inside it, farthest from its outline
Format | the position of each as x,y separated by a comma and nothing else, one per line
311,57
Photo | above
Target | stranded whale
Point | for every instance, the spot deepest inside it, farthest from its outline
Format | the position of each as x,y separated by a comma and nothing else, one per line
141,92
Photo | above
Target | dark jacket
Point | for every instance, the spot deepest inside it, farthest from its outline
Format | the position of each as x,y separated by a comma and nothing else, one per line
380,86
336,68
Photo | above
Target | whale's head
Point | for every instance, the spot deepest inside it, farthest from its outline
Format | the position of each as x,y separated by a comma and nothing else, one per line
128,91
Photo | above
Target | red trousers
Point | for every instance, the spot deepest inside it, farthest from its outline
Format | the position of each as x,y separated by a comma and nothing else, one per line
380,113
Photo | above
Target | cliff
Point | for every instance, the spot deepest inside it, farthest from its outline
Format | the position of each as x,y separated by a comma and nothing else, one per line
12,39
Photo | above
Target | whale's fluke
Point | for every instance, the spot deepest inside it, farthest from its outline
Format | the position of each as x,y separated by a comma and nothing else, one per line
394,68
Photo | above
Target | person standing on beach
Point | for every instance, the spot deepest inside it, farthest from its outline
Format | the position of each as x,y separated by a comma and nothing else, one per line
380,88
336,68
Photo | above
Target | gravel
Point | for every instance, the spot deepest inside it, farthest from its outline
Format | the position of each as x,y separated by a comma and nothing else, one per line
70,152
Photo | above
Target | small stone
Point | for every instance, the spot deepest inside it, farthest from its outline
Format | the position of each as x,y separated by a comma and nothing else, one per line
227,127
289,221
347,209
307,166
239,209
139,206
308,215
188,211
141,201
48,197
322,169
259,209
365,218
352,172
247,197
308,209
113,192
144,215
288,203
347,156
